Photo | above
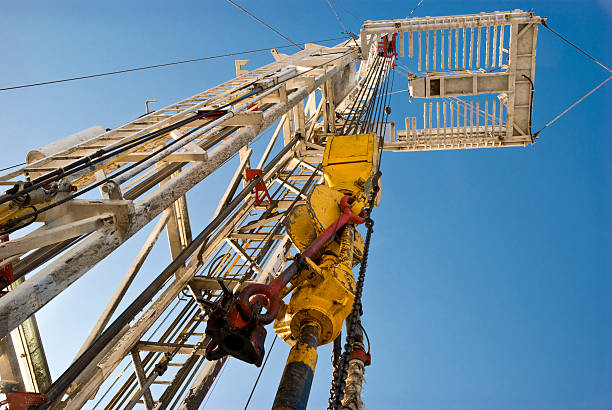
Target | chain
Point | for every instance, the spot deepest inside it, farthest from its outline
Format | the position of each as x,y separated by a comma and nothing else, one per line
336,393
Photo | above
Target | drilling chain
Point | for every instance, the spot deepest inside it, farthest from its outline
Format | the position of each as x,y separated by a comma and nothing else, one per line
336,393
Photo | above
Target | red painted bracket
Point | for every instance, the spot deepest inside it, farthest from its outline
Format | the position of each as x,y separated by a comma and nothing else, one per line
261,191
362,355
23,400
388,48
236,324
252,294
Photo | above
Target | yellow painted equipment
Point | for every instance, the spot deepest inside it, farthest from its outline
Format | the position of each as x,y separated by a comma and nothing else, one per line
349,162
324,291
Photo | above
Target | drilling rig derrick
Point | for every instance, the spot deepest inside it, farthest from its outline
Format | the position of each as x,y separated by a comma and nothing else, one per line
284,239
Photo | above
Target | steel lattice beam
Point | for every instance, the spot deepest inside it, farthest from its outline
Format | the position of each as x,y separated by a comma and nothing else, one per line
309,96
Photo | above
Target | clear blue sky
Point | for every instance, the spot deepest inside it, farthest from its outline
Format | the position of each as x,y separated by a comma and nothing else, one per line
490,282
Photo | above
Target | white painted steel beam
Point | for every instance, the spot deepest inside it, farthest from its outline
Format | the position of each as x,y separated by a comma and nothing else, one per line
508,123
210,370
174,157
233,184
240,251
255,236
157,120
169,348
117,297
97,374
98,371
47,236
38,290
202,384
140,376
261,222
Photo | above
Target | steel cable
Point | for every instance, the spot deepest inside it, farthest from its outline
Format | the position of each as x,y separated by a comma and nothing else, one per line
351,113
382,108
377,108
341,368
337,16
261,371
572,106
261,21
11,224
576,47
12,166
372,101
193,60
349,13
367,125
362,92
362,112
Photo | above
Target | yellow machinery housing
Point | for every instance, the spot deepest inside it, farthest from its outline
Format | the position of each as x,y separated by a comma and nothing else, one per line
325,289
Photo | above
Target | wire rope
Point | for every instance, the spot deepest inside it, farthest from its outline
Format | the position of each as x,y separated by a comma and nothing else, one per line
268,26
348,123
13,222
364,96
348,12
337,16
364,125
415,7
260,372
572,106
12,166
576,47
193,60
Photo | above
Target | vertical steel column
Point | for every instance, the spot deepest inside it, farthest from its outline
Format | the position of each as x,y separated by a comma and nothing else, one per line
142,379
10,374
294,387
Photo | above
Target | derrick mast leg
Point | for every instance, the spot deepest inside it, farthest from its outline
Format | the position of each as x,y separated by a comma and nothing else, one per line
294,388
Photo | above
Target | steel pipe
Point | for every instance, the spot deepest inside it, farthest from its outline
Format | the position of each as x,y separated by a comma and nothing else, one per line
296,381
